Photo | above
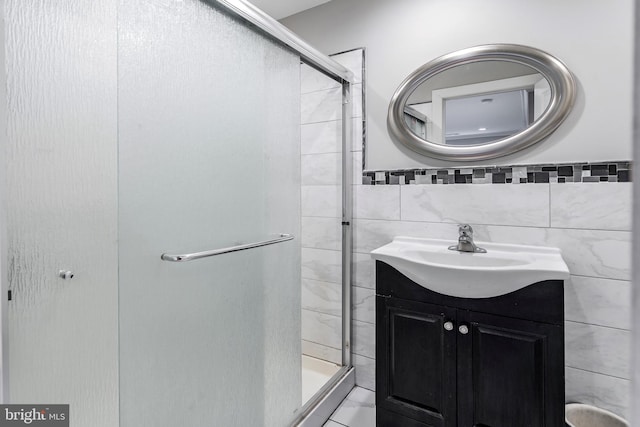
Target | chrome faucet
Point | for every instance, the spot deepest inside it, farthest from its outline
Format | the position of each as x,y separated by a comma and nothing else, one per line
465,241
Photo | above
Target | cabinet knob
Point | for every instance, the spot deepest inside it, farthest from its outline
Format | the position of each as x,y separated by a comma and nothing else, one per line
464,329
448,326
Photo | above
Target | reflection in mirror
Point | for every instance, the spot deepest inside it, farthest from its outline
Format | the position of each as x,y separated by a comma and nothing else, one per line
479,119
477,103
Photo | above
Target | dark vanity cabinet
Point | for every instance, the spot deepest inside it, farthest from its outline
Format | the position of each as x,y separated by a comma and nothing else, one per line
443,361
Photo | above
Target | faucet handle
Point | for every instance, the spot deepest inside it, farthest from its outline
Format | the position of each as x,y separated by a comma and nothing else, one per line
465,230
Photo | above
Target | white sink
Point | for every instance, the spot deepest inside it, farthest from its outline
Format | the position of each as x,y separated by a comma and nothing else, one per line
503,269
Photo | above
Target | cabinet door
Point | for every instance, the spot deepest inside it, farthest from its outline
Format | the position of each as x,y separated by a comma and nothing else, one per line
509,372
416,362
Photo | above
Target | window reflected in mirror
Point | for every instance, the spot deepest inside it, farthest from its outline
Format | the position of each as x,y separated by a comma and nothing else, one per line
477,103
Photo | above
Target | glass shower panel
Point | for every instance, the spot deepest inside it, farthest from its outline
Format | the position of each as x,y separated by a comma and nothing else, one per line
61,200
322,288
209,127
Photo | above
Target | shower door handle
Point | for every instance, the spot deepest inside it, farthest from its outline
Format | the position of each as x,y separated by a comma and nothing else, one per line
214,252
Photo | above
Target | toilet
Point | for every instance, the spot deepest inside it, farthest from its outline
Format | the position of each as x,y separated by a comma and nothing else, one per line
580,415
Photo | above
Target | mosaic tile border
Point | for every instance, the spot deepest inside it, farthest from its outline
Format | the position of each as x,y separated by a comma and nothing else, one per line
524,174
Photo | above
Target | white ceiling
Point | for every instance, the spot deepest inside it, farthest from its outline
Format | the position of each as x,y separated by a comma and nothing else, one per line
279,9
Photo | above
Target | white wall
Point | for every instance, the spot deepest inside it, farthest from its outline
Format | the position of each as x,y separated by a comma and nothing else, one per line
594,39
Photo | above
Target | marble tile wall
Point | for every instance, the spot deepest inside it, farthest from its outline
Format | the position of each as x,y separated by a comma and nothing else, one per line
321,154
589,222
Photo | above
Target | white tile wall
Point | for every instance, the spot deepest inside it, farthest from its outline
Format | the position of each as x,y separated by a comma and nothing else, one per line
321,106
321,169
364,339
573,206
363,271
326,137
323,297
322,351
321,264
371,234
589,222
312,81
326,105
597,349
597,301
322,328
321,233
365,371
358,136
604,391
364,304
321,148
323,137
356,158
353,61
385,204
592,253
486,204
321,200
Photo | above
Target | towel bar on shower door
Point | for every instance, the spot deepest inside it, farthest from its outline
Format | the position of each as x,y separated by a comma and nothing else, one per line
214,252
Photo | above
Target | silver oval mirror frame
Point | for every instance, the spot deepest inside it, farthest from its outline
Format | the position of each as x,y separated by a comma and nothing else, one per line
561,82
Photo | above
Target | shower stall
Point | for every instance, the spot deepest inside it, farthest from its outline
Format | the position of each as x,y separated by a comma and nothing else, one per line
152,214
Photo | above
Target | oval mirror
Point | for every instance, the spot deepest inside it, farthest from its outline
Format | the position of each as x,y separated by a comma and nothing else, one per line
481,103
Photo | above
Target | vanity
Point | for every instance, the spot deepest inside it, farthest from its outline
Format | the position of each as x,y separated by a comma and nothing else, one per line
473,335
469,339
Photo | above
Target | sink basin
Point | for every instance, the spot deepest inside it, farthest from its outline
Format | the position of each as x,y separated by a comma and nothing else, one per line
503,269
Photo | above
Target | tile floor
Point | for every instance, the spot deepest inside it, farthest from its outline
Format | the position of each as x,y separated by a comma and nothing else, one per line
357,410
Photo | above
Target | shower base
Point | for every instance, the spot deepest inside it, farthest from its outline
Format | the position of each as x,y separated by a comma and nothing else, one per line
315,374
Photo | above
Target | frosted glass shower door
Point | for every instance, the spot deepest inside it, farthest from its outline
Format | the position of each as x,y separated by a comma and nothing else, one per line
209,115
